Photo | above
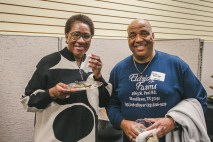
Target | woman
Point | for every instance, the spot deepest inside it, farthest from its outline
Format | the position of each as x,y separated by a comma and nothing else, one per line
64,114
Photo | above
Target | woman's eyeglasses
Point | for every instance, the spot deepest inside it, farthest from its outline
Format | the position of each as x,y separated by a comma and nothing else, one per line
77,35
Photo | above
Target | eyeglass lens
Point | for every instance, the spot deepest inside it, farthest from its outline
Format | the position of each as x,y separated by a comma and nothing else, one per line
77,35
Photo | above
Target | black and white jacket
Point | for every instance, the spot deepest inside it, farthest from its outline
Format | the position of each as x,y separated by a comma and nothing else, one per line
73,119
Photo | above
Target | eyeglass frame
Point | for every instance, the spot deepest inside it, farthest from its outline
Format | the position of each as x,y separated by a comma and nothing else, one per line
81,35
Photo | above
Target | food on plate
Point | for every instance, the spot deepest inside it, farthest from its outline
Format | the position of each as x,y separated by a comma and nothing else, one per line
83,85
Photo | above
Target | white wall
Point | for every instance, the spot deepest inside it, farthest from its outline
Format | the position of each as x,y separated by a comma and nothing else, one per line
182,19
170,19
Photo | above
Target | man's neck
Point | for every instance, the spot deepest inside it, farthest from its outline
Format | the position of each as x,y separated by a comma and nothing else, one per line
145,60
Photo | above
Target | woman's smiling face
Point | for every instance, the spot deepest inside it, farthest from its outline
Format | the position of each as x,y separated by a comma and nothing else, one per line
78,46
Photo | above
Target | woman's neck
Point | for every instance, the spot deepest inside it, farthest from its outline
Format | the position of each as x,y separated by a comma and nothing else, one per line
78,60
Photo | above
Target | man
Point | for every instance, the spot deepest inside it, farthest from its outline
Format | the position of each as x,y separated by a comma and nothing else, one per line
148,84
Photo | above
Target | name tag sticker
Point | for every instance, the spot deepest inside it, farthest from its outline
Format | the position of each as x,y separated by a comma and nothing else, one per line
157,76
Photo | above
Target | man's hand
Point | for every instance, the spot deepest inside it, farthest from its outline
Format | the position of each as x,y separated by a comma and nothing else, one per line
129,129
163,125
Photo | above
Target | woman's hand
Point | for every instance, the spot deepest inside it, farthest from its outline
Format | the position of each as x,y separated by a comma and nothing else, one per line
60,91
96,65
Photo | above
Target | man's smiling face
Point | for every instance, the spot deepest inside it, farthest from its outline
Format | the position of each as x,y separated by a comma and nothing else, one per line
140,39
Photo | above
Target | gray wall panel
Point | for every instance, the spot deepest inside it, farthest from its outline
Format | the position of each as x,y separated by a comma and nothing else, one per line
207,69
19,56
187,49
112,51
